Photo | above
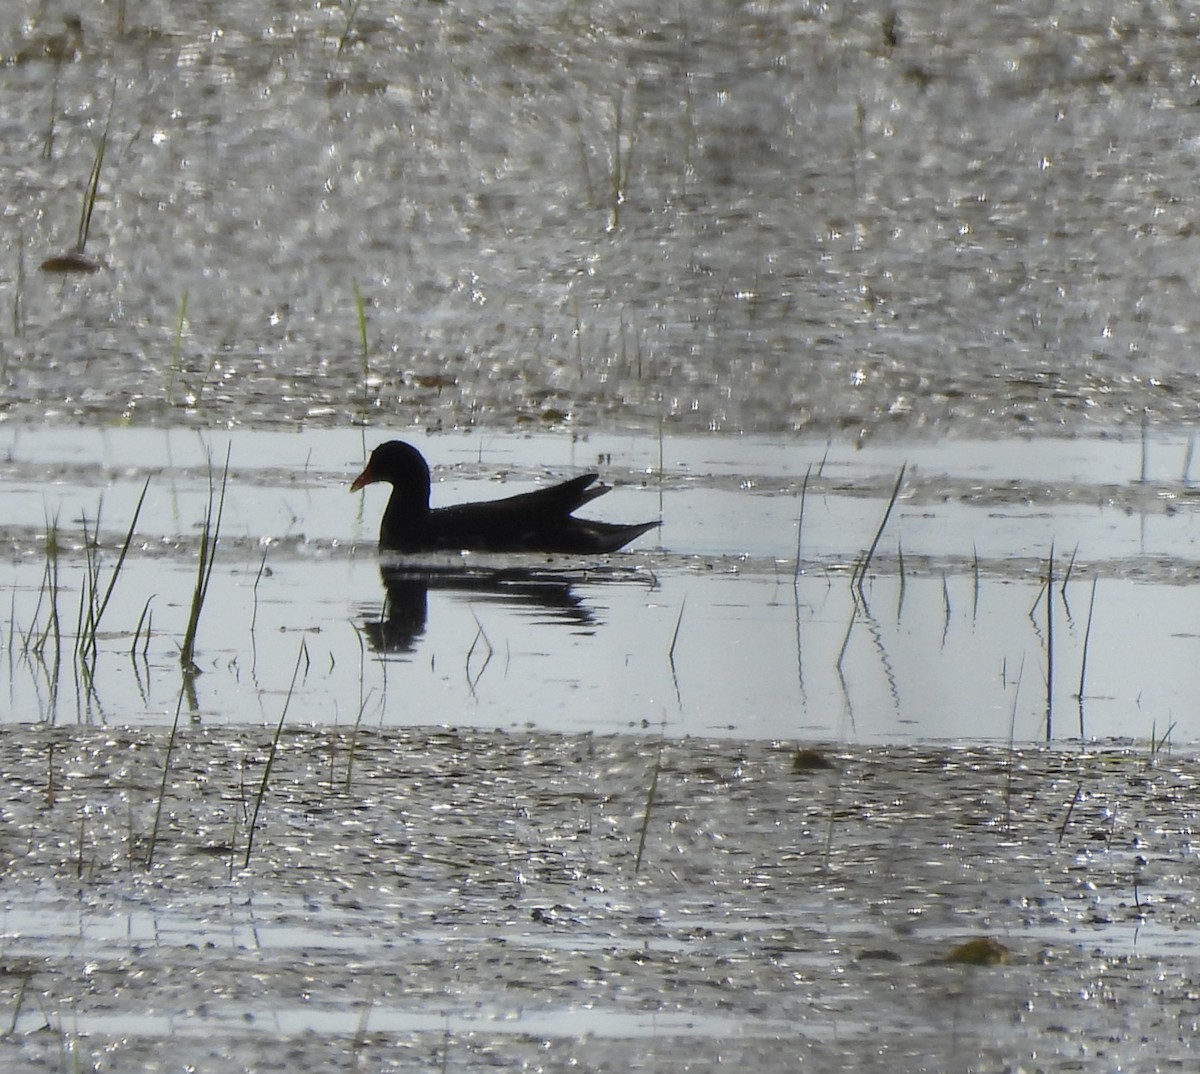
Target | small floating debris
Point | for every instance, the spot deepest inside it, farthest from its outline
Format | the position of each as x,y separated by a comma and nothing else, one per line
71,261
984,951
810,760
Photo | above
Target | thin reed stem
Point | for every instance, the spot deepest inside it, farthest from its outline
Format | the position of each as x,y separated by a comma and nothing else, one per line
162,787
301,658
1083,662
651,794
208,548
1050,645
93,189
351,12
857,579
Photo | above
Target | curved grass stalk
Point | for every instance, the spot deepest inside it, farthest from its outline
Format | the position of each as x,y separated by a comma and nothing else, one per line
92,605
208,548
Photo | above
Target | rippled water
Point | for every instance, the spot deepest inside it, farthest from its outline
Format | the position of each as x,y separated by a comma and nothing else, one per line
987,226
717,630
710,250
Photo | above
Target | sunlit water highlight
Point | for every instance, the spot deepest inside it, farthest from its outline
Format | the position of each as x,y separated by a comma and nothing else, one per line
712,630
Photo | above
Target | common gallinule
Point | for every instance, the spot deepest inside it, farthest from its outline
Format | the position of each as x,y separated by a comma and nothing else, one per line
539,521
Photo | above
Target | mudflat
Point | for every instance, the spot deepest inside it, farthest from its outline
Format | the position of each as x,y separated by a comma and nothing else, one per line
392,900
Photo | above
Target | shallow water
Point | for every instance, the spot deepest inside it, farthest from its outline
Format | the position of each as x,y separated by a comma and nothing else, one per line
487,899
748,218
721,254
718,631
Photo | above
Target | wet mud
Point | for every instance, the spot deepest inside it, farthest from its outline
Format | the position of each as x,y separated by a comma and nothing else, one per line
474,900
725,230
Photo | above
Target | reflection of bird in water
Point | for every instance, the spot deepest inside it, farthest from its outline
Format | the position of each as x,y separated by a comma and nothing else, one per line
540,521
66,47
405,612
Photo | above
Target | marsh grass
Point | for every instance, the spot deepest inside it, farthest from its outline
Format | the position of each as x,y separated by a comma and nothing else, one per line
75,260
671,651
48,592
1011,754
177,345
1083,660
92,190
1050,645
209,536
92,604
797,572
302,659
652,790
52,119
18,300
864,565
19,1004
621,156
651,795
364,695
351,13
947,609
50,786
152,844
1067,575
1157,742
1075,800
577,332
364,354
258,577
975,586
143,631
489,652
1144,476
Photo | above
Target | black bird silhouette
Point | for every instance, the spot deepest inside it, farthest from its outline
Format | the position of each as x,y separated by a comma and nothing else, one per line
540,521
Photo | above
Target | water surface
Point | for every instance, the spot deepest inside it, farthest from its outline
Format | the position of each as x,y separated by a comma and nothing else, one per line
747,260
713,626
